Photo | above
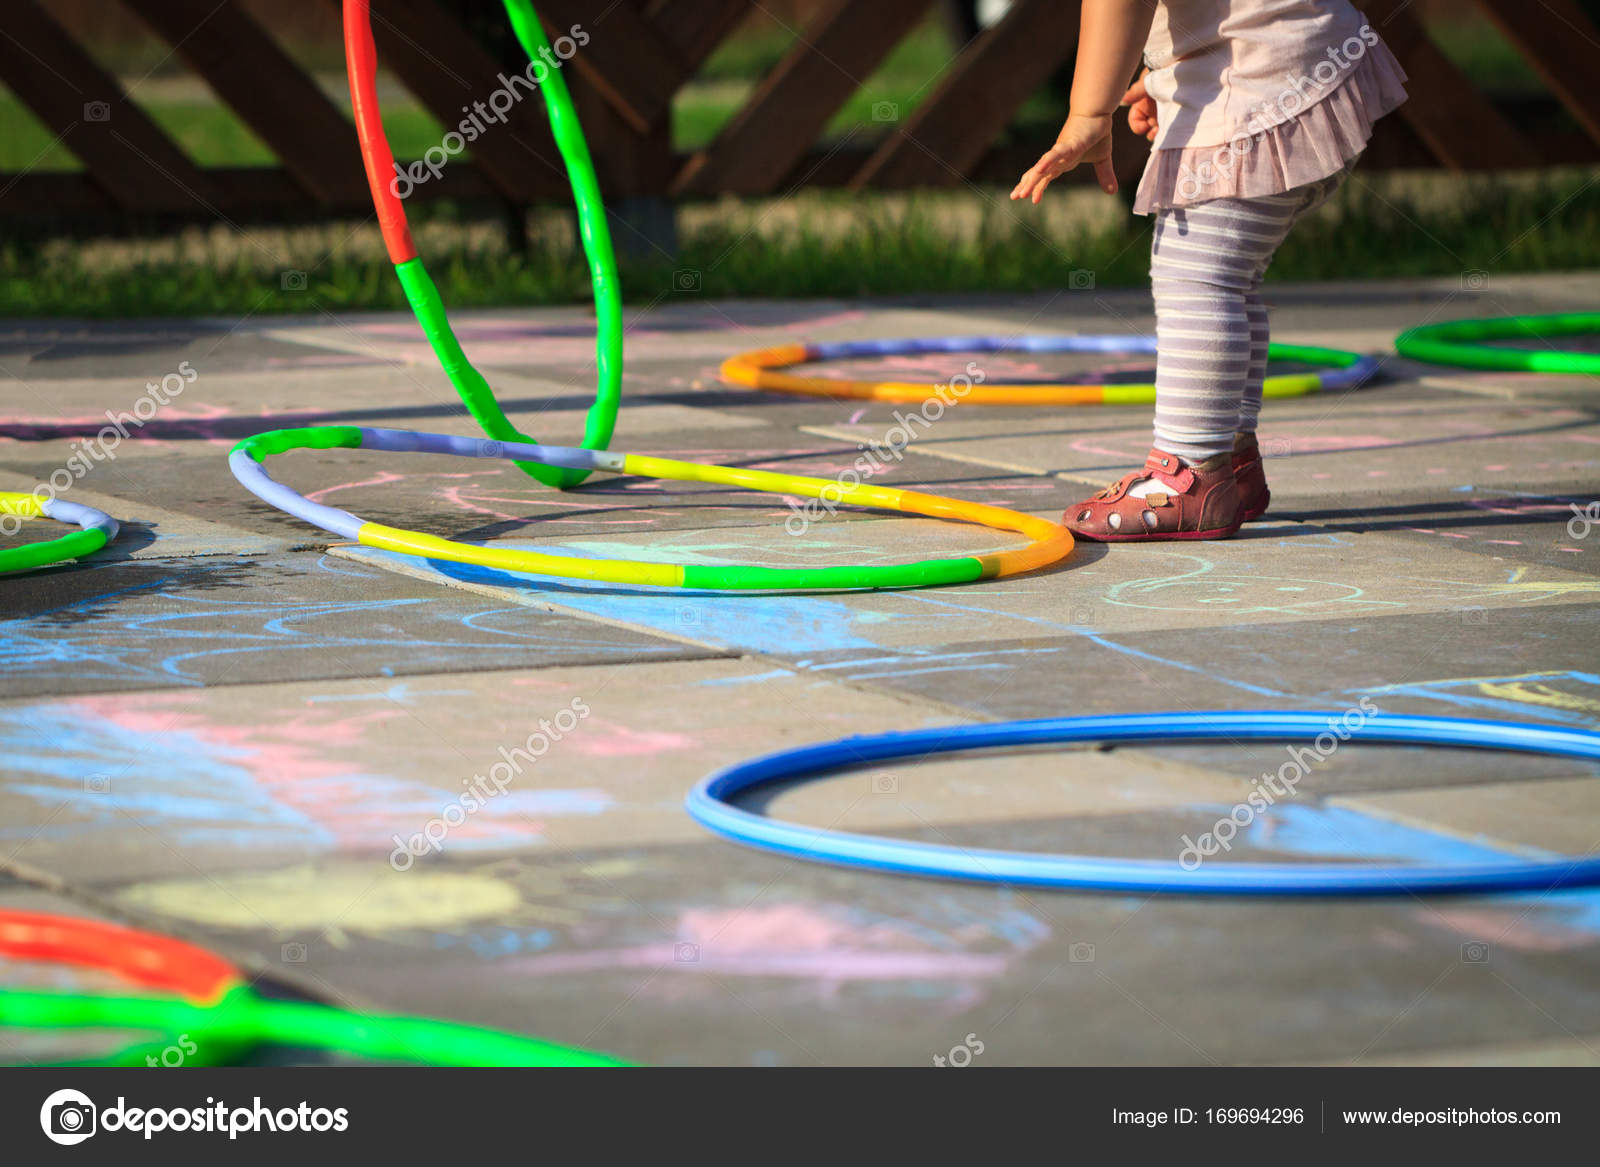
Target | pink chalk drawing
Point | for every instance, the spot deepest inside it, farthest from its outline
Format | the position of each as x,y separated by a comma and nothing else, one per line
826,946
1507,928
609,739
309,763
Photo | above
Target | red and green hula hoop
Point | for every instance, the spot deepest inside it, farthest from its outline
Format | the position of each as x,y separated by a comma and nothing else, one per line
361,57
207,1000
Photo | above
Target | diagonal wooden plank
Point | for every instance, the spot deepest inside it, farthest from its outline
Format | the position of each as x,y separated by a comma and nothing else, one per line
625,58
1562,44
140,168
268,91
947,134
697,27
765,139
440,62
1457,122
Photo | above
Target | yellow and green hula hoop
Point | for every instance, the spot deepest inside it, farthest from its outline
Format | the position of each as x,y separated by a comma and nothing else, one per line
1465,343
764,369
1048,542
96,529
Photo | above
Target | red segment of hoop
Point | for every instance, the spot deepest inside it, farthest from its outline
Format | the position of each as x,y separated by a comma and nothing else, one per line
361,59
142,958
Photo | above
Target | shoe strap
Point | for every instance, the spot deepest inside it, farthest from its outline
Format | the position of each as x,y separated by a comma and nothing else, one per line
1169,471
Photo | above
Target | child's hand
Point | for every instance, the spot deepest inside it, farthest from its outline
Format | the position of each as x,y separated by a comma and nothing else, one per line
1085,138
1141,109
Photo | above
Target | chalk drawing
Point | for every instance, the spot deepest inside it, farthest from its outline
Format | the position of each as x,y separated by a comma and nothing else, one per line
826,946
1569,695
309,899
169,632
1203,587
1552,920
285,777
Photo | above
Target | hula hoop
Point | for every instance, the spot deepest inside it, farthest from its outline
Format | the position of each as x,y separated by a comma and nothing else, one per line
1049,542
220,1014
1461,342
140,958
383,178
709,804
97,529
758,369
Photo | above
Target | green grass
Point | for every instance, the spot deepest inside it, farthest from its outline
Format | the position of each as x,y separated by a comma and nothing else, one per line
820,245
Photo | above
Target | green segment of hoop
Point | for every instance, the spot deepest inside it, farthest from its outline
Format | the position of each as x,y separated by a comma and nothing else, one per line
1463,342
241,1019
592,229
423,295
72,545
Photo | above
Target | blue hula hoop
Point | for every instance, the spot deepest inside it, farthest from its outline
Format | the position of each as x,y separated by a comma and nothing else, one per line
710,805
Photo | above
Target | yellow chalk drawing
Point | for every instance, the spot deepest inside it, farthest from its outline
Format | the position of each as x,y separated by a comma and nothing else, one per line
1518,587
368,899
1535,694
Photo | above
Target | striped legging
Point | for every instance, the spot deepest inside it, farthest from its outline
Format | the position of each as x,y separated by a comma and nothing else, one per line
1206,264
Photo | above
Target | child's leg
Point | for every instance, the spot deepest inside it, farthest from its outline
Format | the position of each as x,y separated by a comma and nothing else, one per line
1255,310
1309,199
1205,263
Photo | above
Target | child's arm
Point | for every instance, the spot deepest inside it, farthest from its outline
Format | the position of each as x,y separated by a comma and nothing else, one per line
1111,36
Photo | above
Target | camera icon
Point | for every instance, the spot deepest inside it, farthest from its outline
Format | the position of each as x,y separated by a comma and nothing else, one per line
97,111
68,1117
292,281
688,617
1276,448
1081,953
1474,952
1080,280
885,111
686,279
489,448
1474,281
293,953
885,784
1474,616
1081,616
685,953
97,784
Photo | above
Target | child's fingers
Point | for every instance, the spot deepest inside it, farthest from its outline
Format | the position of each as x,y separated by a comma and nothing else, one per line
1135,93
1105,176
1026,187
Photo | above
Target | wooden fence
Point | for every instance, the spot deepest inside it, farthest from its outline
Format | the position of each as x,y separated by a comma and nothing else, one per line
640,54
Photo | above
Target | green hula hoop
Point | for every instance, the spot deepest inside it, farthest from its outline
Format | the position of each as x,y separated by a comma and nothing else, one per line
1462,342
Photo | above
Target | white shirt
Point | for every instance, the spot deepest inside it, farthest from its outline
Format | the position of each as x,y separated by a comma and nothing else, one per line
1224,68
